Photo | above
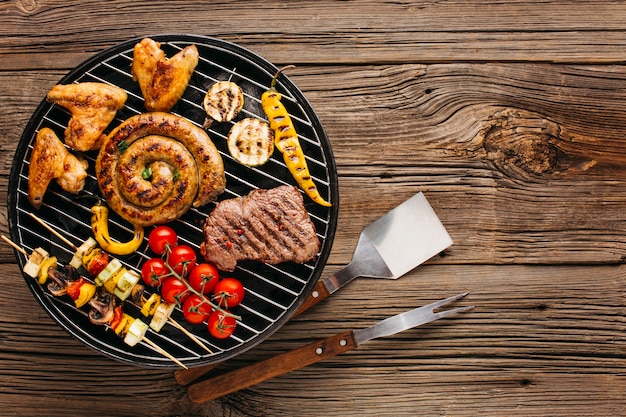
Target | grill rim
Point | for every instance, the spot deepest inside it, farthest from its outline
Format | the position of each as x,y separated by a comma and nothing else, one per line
50,304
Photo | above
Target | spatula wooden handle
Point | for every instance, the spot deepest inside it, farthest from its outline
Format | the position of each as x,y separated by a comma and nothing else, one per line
319,293
187,376
261,371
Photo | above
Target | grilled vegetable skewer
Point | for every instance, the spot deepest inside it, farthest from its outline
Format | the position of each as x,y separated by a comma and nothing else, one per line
41,266
286,140
121,282
132,330
95,261
68,281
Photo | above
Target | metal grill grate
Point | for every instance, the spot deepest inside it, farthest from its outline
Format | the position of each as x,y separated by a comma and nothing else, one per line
272,292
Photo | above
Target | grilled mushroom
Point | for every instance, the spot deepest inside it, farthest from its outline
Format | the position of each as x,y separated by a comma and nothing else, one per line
60,278
102,307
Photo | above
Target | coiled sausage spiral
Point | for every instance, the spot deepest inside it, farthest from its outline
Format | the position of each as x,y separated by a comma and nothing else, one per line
154,166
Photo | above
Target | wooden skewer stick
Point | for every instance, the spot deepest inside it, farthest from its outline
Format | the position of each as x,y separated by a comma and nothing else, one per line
189,334
54,232
177,325
145,339
17,248
163,352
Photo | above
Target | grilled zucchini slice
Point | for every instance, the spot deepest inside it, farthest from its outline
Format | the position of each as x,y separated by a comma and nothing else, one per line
251,142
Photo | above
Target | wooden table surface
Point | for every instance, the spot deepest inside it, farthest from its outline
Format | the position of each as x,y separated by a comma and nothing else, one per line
509,116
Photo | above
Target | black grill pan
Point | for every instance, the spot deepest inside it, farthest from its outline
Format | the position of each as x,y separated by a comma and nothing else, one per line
273,292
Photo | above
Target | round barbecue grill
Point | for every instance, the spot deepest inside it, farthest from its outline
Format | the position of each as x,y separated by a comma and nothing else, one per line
273,293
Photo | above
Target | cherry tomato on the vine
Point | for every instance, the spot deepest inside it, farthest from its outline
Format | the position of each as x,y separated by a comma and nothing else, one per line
228,293
196,309
182,259
203,278
221,325
174,290
161,238
154,271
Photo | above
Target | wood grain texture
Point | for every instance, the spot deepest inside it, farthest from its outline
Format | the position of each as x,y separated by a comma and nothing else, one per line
509,116
532,355
330,32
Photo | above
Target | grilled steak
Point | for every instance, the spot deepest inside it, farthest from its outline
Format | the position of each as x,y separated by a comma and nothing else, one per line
271,226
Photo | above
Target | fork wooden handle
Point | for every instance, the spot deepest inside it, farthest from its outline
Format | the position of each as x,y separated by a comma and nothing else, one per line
247,376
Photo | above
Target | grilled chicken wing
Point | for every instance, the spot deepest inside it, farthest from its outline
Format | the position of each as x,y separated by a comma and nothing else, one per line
93,106
50,159
162,81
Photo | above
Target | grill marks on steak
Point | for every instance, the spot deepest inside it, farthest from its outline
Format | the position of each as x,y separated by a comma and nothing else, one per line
271,226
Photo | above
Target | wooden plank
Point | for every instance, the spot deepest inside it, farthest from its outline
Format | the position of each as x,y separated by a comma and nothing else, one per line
360,32
508,115
469,137
541,341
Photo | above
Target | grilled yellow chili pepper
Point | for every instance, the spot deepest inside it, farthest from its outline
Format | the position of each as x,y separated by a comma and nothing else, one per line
286,140
100,229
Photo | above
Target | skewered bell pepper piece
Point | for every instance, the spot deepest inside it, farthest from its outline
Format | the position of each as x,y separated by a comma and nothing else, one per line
286,140
100,229
34,262
121,329
150,305
95,261
118,315
51,262
81,291
158,309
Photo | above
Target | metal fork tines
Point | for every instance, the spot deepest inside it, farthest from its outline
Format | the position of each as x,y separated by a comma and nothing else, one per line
409,319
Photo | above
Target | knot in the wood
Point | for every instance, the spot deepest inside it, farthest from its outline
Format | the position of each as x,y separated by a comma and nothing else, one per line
27,6
518,140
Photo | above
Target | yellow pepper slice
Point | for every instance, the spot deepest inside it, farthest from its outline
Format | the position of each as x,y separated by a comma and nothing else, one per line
149,307
51,262
86,292
100,229
122,328
111,284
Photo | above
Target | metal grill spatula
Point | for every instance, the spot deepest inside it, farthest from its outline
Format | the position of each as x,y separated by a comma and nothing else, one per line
389,247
